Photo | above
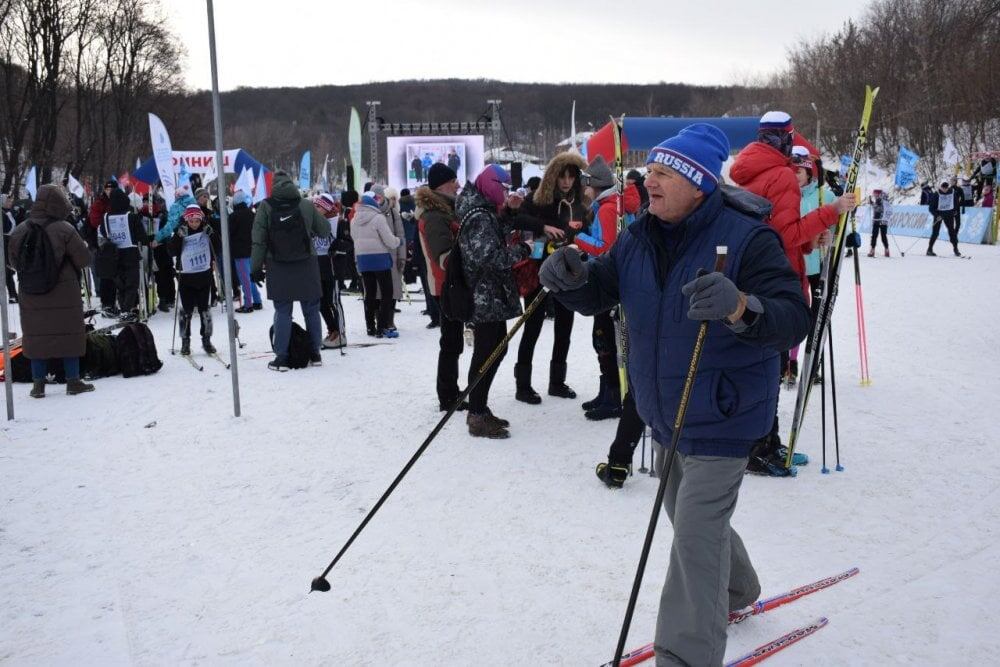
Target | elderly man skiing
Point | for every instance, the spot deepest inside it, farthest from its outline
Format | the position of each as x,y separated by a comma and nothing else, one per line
755,308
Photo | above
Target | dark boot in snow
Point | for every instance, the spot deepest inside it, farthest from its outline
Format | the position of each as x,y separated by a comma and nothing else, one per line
522,382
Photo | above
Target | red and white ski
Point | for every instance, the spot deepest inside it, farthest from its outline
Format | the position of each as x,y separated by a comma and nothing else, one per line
643,653
765,651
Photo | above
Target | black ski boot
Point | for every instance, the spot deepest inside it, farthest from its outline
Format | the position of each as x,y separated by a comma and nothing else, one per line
206,344
557,381
185,323
593,403
609,407
612,474
522,380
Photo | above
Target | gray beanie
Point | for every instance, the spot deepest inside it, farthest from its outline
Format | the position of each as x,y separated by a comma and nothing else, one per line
598,175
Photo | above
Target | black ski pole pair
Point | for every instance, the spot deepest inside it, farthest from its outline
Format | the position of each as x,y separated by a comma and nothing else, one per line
699,344
833,390
321,583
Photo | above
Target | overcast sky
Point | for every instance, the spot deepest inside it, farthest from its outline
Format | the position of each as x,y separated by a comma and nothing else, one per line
307,43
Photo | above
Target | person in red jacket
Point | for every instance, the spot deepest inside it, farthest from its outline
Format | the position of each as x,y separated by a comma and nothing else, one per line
764,168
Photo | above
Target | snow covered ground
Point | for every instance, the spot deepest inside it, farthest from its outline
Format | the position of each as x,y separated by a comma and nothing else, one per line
143,524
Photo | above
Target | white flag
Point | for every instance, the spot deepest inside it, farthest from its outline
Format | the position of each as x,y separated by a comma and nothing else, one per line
74,186
260,192
31,183
164,157
245,181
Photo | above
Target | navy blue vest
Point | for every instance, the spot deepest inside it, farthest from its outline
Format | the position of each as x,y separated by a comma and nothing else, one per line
735,392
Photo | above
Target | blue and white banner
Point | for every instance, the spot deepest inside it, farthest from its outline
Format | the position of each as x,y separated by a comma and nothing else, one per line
245,182
31,183
163,156
906,168
305,171
916,221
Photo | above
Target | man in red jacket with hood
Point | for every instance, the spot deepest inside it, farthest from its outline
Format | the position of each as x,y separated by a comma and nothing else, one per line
764,168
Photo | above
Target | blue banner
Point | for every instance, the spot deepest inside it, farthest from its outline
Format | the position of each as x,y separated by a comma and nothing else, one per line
916,221
845,165
305,171
906,168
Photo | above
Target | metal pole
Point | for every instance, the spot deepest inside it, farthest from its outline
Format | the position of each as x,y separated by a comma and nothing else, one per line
227,258
8,376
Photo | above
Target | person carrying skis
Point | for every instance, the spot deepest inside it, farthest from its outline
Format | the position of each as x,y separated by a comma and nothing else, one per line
597,239
807,169
881,211
195,244
944,205
762,167
755,308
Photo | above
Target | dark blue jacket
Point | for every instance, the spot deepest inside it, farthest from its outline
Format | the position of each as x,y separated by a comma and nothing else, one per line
735,393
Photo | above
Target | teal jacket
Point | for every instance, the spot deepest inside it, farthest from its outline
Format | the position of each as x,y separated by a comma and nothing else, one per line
174,217
809,203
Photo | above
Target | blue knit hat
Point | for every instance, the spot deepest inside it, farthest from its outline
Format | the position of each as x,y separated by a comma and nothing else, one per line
696,153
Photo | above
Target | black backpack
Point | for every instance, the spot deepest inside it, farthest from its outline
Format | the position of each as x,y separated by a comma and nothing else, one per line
137,351
287,236
37,271
101,358
299,346
456,294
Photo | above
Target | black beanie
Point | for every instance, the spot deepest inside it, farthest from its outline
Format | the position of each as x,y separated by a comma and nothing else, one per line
439,174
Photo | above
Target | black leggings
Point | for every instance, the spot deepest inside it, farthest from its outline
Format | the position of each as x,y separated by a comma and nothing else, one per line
949,222
630,428
327,308
883,228
488,336
533,327
606,347
378,312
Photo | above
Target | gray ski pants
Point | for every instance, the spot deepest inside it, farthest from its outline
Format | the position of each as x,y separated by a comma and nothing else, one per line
710,572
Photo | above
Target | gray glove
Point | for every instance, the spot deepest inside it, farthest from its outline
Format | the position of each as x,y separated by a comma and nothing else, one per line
563,271
713,297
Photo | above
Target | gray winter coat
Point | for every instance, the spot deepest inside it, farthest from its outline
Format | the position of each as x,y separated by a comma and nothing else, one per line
487,258
53,322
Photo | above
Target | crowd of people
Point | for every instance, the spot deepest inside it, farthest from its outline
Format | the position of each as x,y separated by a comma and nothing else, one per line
576,241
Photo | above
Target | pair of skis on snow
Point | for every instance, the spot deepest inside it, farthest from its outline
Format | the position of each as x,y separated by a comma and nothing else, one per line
764,651
198,367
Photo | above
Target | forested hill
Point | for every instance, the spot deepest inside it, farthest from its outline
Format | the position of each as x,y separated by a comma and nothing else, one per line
277,124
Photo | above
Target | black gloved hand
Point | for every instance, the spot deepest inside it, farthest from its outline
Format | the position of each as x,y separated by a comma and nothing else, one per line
257,276
563,270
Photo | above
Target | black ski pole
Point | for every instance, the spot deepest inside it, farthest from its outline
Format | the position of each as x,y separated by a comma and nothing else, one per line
822,405
699,343
833,392
177,305
644,469
320,583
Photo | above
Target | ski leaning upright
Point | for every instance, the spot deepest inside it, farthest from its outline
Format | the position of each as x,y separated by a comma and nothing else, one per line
620,329
828,284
